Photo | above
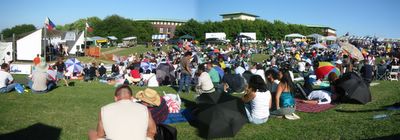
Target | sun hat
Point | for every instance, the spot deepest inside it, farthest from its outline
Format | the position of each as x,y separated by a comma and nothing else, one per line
339,62
149,96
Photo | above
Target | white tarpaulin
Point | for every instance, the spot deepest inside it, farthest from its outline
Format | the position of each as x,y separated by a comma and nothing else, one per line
78,42
159,37
221,36
4,48
20,69
29,46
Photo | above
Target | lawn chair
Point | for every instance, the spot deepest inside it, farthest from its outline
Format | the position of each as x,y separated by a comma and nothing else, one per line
382,73
394,73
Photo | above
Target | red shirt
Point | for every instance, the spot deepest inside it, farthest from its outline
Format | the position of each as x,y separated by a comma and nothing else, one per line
135,73
36,60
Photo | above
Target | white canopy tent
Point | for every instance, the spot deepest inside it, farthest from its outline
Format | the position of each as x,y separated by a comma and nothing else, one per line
317,37
331,38
294,36
77,45
29,46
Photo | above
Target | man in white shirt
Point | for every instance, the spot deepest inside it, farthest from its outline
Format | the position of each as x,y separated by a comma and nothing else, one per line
124,119
6,80
8,58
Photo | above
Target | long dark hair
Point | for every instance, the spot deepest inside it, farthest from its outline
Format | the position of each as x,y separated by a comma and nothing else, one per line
286,79
257,83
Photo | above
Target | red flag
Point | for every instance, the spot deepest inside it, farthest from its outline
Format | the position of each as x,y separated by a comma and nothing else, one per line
88,28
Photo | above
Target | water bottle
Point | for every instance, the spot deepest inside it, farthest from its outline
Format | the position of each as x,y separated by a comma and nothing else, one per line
381,117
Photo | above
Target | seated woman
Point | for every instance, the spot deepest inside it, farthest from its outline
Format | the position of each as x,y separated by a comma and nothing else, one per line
258,100
285,104
41,82
156,105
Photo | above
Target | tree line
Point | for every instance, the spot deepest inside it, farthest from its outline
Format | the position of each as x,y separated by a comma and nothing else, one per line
264,29
121,27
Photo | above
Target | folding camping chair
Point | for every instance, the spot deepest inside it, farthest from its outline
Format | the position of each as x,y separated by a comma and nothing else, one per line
394,73
382,73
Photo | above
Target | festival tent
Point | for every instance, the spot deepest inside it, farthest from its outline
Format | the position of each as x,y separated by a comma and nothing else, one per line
294,36
186,37
29,46
330,38
78,43
317,37
4,48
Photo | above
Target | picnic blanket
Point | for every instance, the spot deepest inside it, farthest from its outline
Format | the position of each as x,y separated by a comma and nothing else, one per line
309,108
184,115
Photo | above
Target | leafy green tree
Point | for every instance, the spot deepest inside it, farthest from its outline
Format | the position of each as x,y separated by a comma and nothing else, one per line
18,30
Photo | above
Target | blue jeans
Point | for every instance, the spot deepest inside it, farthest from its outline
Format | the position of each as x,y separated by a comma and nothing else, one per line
8,88
253,119
50,85
184,81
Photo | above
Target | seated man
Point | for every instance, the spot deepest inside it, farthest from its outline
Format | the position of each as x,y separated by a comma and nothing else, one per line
41,81
233,82
318,97
155,104
6,80
124,119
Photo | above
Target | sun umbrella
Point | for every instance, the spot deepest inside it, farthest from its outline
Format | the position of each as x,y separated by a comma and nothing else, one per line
324,68
73,65
220,115
318,46
334,47
353,88
352,50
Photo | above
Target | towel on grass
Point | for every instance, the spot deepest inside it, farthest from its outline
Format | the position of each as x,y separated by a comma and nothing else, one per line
310,108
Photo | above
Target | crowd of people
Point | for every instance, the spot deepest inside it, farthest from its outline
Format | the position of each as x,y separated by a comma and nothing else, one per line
268,87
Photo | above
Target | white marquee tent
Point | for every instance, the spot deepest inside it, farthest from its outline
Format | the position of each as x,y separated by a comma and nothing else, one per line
78,42
29,46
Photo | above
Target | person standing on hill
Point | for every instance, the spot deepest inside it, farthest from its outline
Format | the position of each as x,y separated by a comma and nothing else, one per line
36,60
61,69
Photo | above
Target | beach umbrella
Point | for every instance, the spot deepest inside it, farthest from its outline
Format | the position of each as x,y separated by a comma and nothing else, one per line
318,46
334,47
73,65
352,87
220,115
352,51
324,68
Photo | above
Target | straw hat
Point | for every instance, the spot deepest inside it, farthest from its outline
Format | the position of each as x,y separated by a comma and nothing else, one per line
149,96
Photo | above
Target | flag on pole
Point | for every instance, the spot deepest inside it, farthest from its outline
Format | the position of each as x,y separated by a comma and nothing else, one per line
49,24
88,28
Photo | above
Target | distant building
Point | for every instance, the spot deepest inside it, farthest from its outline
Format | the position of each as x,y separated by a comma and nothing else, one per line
165,26
239,16
327,31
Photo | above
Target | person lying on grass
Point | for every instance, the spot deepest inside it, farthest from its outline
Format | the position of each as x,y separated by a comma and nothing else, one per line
318,97
124,119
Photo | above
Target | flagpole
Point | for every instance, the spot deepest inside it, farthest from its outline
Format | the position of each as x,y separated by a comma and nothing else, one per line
44,43
84,40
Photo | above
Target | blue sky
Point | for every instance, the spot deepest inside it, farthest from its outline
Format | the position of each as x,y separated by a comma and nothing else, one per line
359,17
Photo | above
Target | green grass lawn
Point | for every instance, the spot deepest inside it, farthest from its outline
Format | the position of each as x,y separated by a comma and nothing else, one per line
75,110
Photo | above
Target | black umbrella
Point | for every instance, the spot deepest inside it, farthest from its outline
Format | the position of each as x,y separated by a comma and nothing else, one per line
353,88
220,115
